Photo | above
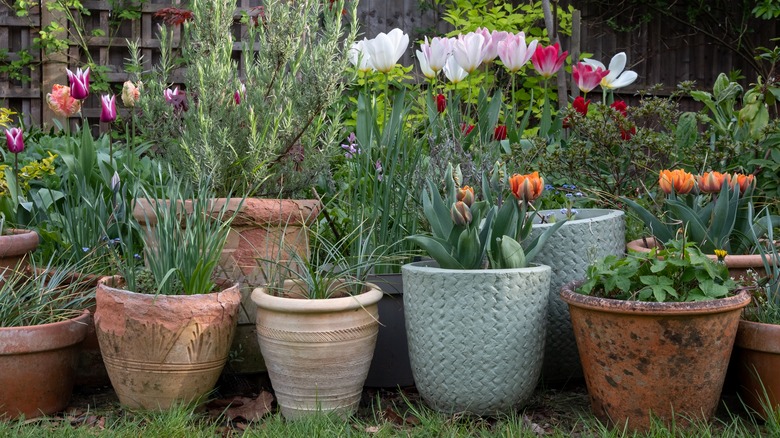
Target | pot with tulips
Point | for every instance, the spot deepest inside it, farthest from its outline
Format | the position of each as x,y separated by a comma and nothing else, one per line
475,314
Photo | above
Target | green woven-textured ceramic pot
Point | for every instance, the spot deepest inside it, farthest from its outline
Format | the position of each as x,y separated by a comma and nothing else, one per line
476,337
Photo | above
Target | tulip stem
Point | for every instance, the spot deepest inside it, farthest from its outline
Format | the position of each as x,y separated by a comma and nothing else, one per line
16,172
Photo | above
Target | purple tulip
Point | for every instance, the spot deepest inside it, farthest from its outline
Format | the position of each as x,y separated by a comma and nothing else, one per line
177,98
15,139
79,83
108,108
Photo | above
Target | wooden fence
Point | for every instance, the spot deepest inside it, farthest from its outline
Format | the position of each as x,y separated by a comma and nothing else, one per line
653,51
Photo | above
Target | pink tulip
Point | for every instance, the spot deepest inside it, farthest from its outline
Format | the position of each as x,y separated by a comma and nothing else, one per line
587,77
436,52
514,53
490,46
15,139
468,51
79,83
107,108
239,94
548,60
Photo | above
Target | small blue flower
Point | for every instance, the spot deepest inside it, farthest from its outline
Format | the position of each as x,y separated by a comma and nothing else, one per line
85,248
574,212
116,241
569,195
579,194
548,187
564,211
572,186
137,256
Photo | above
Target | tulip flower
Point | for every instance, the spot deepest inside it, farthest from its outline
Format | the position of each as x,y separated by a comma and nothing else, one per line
548,60
436,52
239,94
587,77
359,58
514,53
107,108
424,65
386,49
499,133
467,51
177,98
626,134
130,93
677,181
618,77
441,103
14,138
460,214
466,129
79,83
620,106
453,71
61,102
490,45
744,182
528,187
581,105
465,194
711,182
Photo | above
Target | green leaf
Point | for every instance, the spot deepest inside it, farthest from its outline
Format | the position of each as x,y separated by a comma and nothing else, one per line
512,253
469,252
436,250
661,231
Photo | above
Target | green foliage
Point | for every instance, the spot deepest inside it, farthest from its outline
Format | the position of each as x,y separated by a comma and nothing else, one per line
679,272
279,138
470,234
765,306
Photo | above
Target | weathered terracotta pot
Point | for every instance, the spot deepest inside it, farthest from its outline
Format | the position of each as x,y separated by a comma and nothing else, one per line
38,364
668,359
756,363
15,244
161,350
255,238
317,351
738,264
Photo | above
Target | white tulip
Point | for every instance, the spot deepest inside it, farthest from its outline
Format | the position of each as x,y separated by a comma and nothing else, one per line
386,49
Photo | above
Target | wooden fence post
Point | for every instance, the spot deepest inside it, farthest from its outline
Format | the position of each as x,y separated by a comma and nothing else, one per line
53,66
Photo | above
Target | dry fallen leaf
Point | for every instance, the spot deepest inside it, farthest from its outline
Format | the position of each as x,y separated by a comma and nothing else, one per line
535,428
372,429
249,409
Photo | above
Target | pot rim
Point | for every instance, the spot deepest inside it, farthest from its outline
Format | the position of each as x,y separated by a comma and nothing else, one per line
757,336
303,305
18,242
431,264
599,215
73,331
103,284
739,261
609,305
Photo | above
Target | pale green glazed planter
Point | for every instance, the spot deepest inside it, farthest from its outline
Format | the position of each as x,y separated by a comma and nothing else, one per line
592,235
476,337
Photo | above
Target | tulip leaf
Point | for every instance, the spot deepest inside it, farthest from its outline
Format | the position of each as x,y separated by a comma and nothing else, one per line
724,215
437,250
469,252
660,230
692,225
506,219
512,253
436,212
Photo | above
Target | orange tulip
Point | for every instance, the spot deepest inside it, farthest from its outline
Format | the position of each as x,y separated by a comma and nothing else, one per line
526,187
678,180
61,102
744,182
711,182
465,194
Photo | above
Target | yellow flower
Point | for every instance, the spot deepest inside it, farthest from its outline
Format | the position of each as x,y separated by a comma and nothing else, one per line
721,253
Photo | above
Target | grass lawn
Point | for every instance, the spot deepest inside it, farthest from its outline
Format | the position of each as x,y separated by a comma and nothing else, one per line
551,412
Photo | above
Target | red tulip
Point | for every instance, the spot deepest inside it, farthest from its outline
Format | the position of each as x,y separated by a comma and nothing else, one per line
499,133
441,103
581,105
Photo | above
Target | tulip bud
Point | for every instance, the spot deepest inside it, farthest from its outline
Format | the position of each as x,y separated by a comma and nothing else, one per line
499,133
581,105
108,108
460,214
79,83
526,187
115,181
130,93
441,103
744,182
678,180
466,195
15,139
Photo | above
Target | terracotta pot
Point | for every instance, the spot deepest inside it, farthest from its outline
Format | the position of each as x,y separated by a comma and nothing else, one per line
641,357
317,351
161,350
756,363
390,367
255,236
476,336
592,235
738,264
15,244
38,364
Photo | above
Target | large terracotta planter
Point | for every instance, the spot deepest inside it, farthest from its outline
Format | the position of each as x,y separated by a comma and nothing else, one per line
756,363
593,235
161,350
256,236
476,337
390,367
668,359
15,244
738,264
317,351
37,366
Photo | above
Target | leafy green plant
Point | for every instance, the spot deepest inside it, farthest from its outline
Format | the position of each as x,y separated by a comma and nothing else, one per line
470,234
44,294
185,230
766,296
679,272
